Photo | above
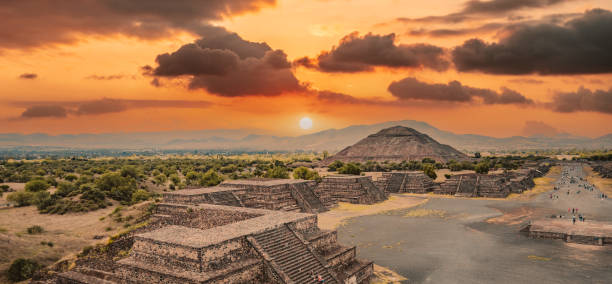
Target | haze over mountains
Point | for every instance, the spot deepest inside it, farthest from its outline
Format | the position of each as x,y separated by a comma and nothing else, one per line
332,140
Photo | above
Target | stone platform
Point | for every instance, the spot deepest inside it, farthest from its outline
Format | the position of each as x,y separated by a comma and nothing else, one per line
588,232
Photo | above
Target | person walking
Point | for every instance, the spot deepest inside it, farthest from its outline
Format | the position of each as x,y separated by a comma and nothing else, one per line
574,219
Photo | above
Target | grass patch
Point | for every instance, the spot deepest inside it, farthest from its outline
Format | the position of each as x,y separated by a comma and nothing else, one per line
420,213
35,230
539,258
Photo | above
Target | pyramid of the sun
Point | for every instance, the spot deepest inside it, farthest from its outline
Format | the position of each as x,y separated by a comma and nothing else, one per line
397,144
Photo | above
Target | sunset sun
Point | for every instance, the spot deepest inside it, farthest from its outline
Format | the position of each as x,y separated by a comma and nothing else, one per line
306,123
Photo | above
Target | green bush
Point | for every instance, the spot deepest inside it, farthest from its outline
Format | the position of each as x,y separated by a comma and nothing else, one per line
140,195
66,189
22,269
36,185
36,229
430,170
306,173
349,169
482,168
335,166
277,172
21,198
211,178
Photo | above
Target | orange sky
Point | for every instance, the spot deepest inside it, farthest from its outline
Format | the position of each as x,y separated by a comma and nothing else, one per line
299,28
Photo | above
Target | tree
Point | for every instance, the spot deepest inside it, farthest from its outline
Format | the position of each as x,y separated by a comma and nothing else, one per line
36,185
430,171
130,171
306,173
140,195
325,154
349,169
428,161
335,166
21,198
160,179
277,172
211,178
482,168
477,155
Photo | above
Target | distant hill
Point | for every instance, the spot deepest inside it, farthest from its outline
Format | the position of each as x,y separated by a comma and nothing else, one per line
397,144
332,140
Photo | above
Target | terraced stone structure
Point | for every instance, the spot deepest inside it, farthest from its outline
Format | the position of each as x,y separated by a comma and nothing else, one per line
208,243
277,194
475,185
348,188
402,182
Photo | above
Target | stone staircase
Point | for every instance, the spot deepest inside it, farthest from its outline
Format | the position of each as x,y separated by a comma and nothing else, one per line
305,195
292,256
225,198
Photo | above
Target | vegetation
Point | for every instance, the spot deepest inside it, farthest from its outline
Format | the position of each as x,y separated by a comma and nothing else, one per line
306,173
34,230
349,169
430,171
22,269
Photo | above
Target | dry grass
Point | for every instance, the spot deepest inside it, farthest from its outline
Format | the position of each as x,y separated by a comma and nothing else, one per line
385,275
539,258
603,184
542,184
69,233
419,213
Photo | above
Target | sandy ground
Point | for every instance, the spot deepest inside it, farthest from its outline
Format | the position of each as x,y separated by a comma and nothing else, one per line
69,233
330,220
461,240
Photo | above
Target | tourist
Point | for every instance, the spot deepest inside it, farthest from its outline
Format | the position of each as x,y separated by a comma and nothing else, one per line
320,279
574,219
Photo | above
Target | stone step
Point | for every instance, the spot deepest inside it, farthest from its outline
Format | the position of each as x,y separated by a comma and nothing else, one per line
74,277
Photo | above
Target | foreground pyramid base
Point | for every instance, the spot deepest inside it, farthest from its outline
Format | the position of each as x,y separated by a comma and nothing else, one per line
221,244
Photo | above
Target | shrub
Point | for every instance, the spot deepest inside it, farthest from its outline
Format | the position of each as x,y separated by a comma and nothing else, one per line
21,198
277,172
349,169
66,189
160,179
482,168
93,194
36,185
211,178
22,269
306,173
335,166
430,171
140,195
36,229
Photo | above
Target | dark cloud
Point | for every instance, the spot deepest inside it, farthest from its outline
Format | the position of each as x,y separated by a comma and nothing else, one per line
583,100
35,23
490,27
41,111
478,9
335,97
224,64
454,91
29,76
579,46
526,81
106,77
358,54
538,128
99,107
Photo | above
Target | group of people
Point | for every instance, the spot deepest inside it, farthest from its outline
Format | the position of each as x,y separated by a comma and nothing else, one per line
574,212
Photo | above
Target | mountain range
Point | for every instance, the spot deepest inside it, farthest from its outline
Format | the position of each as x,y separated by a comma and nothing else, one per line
332,140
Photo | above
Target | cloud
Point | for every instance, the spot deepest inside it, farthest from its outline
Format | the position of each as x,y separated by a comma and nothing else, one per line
28,76
450,32
583,100
359,54
478,9
34,23
62,109
44,111
106,77
526,81
226,65
580,46
454,91
538,128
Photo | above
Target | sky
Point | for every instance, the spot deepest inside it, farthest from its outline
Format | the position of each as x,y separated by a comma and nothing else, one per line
492,67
